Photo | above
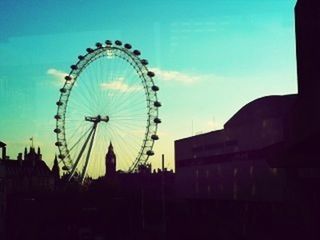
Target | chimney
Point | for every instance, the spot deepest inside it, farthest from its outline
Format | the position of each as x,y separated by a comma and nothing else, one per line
19,157
4,150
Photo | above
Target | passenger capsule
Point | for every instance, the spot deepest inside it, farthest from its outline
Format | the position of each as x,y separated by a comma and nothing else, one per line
74,67
61,156
157,120
57,130
80,57
118,42
157,104
59,103
155,137
150,74
144,62
127,46
150,153
108,42
155,88
63,90
67,78
57,117
89,50
136,52
58,144
98,45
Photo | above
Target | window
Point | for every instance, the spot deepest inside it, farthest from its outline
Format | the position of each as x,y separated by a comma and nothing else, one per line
197,173
235,190
251,170
235,172
274,171
253,190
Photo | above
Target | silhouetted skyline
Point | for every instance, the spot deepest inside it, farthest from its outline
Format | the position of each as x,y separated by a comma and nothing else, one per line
257,178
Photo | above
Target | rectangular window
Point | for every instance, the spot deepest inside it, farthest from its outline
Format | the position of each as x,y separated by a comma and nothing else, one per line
235,190
209,189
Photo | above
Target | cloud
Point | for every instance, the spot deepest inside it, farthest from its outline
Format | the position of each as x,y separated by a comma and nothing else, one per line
176,76
119,85
57,75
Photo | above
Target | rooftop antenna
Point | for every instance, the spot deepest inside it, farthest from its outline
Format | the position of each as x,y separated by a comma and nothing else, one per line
31,139
163,199
191,127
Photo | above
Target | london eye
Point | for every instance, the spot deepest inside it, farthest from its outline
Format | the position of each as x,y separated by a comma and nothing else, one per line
109,96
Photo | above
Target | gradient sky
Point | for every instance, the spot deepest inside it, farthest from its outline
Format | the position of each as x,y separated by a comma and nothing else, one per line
212,57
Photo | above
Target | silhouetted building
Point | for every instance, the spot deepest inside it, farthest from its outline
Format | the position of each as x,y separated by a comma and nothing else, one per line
232,163
303,130
22,176
111,161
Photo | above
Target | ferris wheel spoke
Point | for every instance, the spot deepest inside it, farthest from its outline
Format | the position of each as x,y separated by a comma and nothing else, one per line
126,113
125,87
82,90
98,80
118,145
87,90
130,101
82,97
129,128
124,95
78,109
80,139
127,104
127,146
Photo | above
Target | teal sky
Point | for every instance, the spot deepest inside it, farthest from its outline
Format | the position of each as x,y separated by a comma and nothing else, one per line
212,57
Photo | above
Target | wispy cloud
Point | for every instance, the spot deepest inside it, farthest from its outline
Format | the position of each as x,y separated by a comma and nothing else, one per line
119,85
169,75
182,77
58,76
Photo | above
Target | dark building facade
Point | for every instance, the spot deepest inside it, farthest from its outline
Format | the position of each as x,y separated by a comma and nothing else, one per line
303,125
233,163
25,175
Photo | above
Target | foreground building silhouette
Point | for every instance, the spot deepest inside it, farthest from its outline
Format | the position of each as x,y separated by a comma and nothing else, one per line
22,176
255,179
233,163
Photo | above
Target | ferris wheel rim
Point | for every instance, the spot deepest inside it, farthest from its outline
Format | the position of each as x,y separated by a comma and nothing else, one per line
150,91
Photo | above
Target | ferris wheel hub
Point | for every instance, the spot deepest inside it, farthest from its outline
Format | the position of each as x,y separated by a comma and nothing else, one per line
97,119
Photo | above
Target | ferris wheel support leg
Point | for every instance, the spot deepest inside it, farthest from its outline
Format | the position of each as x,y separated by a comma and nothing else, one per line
80,154
84,170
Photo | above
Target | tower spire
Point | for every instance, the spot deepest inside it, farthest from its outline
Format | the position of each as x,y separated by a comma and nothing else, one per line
110,161
55,168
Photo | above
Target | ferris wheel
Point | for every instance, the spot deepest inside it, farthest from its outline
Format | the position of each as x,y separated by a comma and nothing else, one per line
109,96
